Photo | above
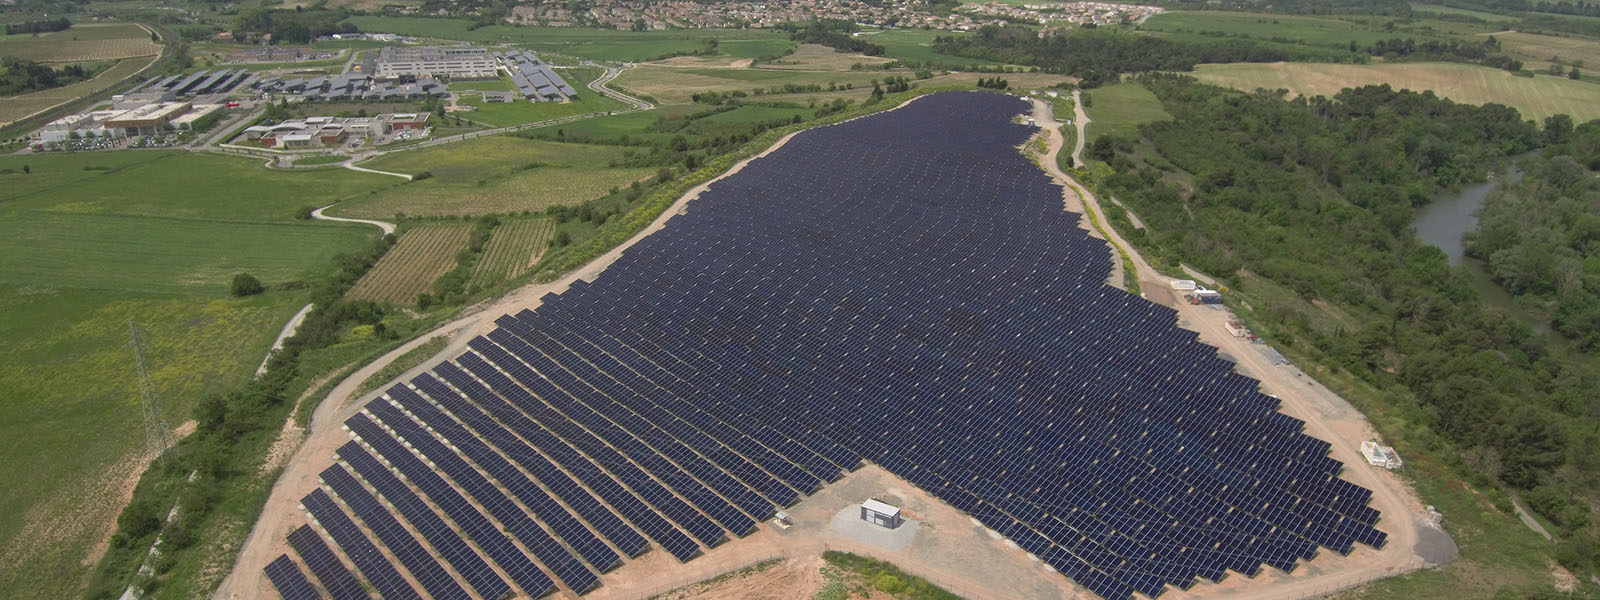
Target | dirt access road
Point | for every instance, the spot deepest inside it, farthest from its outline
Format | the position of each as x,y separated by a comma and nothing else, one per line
1414,542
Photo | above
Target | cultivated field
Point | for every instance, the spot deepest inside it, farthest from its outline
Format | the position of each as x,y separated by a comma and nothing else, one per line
513,249
1536,50
15,108
82,43
1535,97
421,256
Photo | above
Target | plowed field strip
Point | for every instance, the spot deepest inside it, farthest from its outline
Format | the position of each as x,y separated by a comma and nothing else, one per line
512,250
421,256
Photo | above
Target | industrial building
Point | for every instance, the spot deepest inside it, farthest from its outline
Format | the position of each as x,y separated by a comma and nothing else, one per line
144,119
318,132
398,63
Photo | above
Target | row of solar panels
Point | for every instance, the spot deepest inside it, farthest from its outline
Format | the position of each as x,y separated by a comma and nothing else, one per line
702,499
902,289
199,82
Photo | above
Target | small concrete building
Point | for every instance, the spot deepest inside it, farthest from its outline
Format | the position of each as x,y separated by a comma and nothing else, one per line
881,514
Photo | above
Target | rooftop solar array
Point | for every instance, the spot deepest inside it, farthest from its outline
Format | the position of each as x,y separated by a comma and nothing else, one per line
534,79
903,289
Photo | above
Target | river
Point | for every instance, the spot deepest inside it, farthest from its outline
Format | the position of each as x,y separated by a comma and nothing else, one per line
1443,223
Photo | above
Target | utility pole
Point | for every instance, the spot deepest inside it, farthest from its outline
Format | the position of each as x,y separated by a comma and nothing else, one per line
157,436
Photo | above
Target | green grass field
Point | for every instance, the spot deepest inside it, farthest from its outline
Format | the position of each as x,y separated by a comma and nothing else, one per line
1535,97
677,86
916,45
1120,109
90,241
497,174
174,185
597,44
70,413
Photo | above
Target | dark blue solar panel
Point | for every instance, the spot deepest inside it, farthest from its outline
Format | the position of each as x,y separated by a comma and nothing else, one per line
374,566
485,534
563,524
327,568
400,542
903,289
445,540
290,582
558,559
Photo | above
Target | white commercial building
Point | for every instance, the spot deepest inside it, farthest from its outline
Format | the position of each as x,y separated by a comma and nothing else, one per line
455,62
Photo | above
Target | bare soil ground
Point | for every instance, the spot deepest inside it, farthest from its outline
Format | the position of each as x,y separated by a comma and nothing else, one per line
789,578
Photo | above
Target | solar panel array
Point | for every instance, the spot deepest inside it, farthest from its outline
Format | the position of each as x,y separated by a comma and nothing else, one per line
903,289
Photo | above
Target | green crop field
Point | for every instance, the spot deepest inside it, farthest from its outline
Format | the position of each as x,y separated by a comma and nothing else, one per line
497,174
1119,109
512,250
1535,97
90,241
82,43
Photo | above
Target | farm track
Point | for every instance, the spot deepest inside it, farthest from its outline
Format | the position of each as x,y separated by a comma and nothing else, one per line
422,256
512,251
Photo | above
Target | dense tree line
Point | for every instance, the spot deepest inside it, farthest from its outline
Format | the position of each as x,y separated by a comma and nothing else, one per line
833,33
1540,237
42,26
1096,56
19,76
1316,195
1486,52
291,26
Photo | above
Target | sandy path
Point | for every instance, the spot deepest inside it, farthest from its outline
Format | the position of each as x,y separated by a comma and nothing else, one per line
324,433
284,334
1327,417
387,227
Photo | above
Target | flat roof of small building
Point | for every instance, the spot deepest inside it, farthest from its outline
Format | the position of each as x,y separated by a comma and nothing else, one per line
880,507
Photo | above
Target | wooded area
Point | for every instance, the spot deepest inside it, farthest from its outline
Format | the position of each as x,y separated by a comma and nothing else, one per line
1540,237
1316,196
